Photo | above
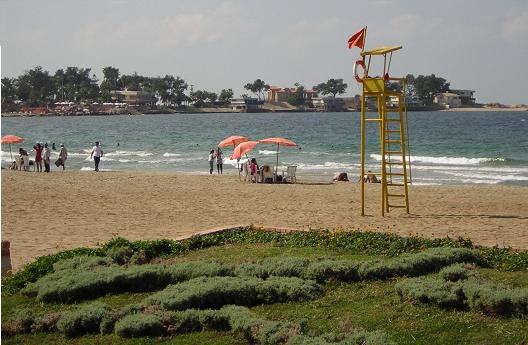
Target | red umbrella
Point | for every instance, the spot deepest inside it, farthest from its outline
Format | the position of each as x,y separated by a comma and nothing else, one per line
243,148
233,140
11,139
279,142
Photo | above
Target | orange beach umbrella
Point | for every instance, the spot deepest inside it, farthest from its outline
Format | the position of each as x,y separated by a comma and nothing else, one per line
243,148
233,140
11,139
278,142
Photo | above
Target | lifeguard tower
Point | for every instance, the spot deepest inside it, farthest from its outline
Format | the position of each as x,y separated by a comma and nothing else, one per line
391,119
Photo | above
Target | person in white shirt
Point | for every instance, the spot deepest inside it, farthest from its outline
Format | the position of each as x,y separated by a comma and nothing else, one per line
46,157
97,153
211,161
219,160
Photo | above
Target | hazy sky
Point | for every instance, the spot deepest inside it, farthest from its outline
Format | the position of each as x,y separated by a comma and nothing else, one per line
475,44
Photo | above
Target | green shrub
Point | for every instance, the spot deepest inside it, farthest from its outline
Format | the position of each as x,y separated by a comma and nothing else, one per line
82,262
445,294
336,270
454,273
82,320
416,264
139,325
75,285
495,299
250,270
285,266
488,298
20,324
46,323
120,255
215,292
357,338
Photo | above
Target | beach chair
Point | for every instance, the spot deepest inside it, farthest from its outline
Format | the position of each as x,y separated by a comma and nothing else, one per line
266,174
289,174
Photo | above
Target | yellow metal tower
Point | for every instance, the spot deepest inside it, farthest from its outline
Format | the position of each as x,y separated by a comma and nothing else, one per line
391,118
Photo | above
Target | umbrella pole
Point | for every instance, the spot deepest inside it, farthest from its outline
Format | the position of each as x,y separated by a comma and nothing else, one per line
11,153
277,164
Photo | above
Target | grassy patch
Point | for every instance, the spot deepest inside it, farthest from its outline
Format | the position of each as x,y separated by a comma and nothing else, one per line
371,305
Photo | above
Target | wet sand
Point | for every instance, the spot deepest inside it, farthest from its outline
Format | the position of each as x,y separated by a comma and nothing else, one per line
45,213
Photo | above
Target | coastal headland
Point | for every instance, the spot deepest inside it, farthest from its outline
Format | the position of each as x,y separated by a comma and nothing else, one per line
46,213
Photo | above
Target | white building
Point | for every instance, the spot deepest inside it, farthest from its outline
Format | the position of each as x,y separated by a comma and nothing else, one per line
448,100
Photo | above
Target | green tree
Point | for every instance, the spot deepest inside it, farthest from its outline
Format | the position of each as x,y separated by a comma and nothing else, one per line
258,87
35,87
331,87
426,87
8,90
297,98
226,95
110,82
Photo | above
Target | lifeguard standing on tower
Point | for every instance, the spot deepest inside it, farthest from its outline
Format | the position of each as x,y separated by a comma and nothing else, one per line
395,172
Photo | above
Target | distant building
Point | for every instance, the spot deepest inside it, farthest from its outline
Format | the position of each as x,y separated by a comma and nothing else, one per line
466,96
328,104
246,104
278,94
412,101
134,97
448,100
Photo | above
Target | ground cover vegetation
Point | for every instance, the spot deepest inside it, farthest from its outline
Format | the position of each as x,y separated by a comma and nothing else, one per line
301,290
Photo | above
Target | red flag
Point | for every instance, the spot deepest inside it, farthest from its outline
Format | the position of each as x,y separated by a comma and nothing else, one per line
358,39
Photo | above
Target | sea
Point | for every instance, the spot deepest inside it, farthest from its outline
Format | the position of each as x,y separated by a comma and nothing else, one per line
445,147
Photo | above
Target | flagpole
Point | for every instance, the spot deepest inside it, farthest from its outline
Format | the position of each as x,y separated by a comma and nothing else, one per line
364,39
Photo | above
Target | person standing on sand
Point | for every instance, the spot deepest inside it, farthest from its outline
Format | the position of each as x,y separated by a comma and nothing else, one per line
46,157
219,161
211,161
38,156
63,155
97,153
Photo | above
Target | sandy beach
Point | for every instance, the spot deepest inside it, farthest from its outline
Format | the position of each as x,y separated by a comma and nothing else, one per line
45,213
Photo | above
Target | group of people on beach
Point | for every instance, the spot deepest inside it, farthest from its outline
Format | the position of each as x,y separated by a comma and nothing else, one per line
43,154
218,157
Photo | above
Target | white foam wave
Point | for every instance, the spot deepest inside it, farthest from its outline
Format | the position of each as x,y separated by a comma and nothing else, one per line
130,153
168,154
446,160
326,165
267,152
92,169
490,177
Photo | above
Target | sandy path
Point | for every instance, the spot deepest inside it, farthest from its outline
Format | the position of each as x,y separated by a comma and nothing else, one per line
45,213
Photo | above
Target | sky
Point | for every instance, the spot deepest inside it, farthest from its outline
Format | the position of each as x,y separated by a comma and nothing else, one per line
480,45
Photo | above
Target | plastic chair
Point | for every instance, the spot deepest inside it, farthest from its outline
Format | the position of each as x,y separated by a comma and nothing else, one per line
290,175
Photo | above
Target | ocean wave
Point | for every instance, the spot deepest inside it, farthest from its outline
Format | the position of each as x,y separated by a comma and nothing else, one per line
130,153
486,176
267,152
326,165
168,154
449,160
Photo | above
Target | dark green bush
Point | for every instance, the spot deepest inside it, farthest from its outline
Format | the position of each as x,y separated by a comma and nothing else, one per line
120,255
495,299
445,294
83,262
139,325
285,266
488,298
336,270
416,264
357,338
75,285
20,324
454,273
215,292
82,320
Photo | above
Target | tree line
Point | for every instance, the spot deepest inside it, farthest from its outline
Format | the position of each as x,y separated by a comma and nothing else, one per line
37,87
